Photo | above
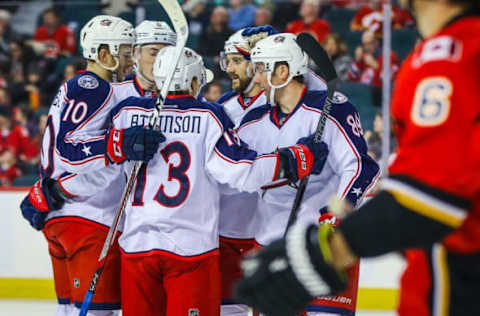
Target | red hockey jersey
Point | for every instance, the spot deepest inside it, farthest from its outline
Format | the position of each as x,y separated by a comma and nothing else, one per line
437,123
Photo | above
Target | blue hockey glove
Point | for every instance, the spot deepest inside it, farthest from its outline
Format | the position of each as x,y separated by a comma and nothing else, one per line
135,143
254,34
268,29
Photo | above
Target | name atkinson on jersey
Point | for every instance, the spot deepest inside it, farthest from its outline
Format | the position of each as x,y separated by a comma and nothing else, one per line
171,123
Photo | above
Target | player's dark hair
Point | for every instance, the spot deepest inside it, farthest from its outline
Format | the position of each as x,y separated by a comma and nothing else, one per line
299,78
472,4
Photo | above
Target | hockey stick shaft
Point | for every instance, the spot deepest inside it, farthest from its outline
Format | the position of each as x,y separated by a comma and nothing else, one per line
327,71
175,13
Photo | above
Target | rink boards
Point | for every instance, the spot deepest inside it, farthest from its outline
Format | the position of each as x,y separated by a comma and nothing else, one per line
25,268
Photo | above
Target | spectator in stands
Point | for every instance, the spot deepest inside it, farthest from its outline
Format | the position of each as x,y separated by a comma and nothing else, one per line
351,4
368,64
370,18
263,17
285,12
21,143
374,138
213,91
198,17
8,169
21,57
28,92
337,50
213,39
53,39
310,22
5,99
6,35
241,14
70,71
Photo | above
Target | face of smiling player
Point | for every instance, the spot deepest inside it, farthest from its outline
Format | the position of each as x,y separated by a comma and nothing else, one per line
237,71
125,62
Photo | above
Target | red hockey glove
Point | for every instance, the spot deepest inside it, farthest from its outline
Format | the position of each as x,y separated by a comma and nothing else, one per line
296,163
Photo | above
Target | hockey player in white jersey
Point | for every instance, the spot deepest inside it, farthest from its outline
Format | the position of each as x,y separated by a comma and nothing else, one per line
237,209
169,243
294,112
150,38
76,229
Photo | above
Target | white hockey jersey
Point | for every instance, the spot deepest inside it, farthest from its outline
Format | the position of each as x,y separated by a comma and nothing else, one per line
238,209
99,205
349,172
174,206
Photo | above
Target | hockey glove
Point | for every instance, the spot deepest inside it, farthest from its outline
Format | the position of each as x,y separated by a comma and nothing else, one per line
319,151
282,279
256,33
135,143
44,196
328,218
296,163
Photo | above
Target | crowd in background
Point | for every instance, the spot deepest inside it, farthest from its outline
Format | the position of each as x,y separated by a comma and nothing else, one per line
33,66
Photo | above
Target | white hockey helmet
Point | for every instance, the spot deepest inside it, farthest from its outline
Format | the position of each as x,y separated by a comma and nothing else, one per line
238,44
280,48
154,32
189,66
107,30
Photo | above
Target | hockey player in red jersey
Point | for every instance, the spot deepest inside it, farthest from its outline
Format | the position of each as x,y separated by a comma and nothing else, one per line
429,204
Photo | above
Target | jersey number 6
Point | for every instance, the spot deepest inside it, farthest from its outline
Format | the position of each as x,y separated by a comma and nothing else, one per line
175,172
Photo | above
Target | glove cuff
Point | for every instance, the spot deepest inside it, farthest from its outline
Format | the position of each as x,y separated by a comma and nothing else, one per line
302,266
295,163
114,152
310,264
56,195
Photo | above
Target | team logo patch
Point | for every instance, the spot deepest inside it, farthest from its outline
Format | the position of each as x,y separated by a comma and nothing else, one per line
431,104
88,82
193,312
339,98
105,22
279,39
76,283
188,53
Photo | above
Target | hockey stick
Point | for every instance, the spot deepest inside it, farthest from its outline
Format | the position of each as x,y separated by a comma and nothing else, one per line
179,22
327,72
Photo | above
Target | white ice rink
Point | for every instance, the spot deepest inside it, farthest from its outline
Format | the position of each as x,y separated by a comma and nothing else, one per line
47,308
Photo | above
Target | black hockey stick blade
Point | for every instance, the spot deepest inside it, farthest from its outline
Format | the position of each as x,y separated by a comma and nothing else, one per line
319,56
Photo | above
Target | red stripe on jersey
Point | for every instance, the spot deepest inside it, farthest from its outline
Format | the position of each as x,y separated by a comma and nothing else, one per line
252,122
78,219
213,252
79,162
60,181
136,108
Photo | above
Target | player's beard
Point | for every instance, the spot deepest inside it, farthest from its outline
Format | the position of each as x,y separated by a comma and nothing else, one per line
242,83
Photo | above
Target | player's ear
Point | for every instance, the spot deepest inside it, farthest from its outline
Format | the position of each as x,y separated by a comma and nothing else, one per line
282,72
194,87
103,55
